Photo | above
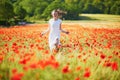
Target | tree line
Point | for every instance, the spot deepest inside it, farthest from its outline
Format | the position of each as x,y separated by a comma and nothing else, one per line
13,10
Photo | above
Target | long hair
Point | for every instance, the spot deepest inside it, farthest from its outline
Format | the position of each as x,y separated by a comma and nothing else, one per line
60,12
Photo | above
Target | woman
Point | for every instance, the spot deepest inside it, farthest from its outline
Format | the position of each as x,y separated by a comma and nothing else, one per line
55,29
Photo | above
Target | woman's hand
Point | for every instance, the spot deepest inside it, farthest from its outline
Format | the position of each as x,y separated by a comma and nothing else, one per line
42,33
67,32
45,31
64,31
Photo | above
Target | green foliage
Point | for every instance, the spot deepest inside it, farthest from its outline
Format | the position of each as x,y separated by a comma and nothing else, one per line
90,8
115,9
72,9
29,6
57,4
41,9
6,10
34,7
20,12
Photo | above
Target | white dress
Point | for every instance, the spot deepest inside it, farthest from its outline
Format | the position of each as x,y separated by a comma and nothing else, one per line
54,32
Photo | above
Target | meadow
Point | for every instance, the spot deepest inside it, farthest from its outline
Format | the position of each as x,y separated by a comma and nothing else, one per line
90,52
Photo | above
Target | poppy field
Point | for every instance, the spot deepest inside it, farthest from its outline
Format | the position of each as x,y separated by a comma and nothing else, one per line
87,53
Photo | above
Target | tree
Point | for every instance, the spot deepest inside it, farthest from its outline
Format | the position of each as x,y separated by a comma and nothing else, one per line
29,6
6,10
39,10
99,5
90,8
35,8
20,12
73,9
108,5
57,4
115,9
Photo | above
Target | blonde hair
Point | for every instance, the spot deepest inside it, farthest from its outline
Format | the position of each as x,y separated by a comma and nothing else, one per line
55,11
60,12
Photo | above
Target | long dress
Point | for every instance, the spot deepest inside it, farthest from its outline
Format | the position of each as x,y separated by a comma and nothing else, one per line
54,34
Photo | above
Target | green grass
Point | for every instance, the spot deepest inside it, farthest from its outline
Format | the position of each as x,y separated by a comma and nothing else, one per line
100,17
96,21
86,18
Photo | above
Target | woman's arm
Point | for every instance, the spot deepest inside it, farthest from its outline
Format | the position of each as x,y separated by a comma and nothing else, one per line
45,31
63,30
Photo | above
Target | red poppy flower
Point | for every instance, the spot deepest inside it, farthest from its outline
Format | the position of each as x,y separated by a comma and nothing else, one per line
24,61
33,66
17,76
87,74
78,68
14,71
77,78
25,68
65,69
1,59
102,56
14,44
114,66
46,52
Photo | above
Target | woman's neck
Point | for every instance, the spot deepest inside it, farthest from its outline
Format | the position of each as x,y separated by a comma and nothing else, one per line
55,18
